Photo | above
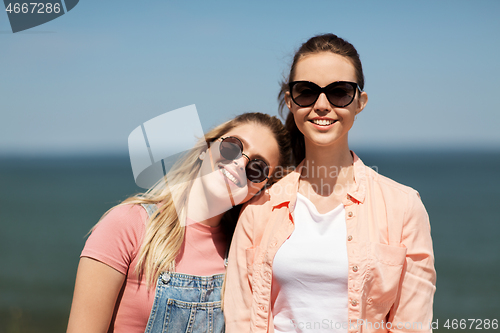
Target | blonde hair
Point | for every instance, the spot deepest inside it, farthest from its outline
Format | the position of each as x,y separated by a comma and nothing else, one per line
164,233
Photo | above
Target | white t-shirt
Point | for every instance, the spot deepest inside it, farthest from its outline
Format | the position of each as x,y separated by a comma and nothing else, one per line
309,291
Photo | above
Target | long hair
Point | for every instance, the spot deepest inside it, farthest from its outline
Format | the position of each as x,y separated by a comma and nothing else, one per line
164,231
317,44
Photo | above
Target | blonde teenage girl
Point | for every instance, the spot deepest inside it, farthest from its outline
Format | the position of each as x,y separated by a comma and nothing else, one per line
155,265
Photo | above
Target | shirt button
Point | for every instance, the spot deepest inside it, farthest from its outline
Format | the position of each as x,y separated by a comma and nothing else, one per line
349,214
355,269
262,308
267,275
273,244
354,302
349,238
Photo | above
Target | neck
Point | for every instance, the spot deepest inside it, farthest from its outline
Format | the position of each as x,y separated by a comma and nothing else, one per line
200,208
211,222
326,167
335,155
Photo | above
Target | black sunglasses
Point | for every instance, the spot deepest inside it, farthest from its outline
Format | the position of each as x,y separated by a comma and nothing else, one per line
256,170
339,93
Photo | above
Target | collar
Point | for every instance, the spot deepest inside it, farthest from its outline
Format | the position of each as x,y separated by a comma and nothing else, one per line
358,192
284,192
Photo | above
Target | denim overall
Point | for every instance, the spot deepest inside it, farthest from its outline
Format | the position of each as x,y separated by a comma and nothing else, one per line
186,303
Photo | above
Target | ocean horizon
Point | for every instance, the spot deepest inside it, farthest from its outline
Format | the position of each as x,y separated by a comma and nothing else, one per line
49,203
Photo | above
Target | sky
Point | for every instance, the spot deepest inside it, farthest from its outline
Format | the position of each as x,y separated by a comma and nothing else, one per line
83,82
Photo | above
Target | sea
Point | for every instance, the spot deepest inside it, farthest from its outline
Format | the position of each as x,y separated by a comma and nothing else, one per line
49,204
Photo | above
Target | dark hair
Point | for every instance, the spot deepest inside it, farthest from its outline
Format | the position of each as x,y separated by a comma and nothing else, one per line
317,44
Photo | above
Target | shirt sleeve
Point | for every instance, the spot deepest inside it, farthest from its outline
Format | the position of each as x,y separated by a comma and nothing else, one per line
117,237
418,284
238,290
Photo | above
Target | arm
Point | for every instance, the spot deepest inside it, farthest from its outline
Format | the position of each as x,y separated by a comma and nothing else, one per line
104,263
96,290
238,292
418,282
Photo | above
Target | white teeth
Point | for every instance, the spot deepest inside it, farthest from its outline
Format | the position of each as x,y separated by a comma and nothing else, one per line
230,176
322,122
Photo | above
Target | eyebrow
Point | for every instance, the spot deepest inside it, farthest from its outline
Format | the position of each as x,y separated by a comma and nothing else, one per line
259,156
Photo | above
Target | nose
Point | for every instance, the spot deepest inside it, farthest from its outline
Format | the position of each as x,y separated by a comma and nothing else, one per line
322,103
241,162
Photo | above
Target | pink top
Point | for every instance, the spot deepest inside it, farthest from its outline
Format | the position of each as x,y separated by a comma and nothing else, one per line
391,277
116,242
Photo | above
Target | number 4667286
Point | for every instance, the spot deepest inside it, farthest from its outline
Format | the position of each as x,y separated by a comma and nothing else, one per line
477,324
34,8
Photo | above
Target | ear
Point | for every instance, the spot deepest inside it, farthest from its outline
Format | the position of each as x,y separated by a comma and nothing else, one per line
362,100
202,155
288,100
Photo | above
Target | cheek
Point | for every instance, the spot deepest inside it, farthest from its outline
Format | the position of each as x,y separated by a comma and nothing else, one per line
206,164
349,114
212,157
214,151
299,114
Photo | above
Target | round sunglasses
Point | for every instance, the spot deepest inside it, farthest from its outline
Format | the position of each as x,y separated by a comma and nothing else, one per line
339,93
256,170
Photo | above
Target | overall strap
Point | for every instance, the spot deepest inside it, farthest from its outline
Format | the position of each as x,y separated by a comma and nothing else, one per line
150,208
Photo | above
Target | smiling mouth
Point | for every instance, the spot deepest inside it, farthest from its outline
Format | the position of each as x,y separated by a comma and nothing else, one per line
229,176
322,122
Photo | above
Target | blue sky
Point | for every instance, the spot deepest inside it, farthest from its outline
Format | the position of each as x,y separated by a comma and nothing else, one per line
83,82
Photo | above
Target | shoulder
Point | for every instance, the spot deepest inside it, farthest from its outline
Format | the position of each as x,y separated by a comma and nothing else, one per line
400,200
125,214
252,212
375,182
379,190
265,209
117,237
388,185
126,221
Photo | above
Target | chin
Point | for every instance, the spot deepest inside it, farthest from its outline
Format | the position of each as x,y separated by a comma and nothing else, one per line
326,139
242,196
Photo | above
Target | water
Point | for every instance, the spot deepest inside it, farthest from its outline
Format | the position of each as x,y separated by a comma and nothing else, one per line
47,205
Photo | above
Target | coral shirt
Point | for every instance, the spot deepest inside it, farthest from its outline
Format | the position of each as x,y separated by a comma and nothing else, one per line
389,249
116,242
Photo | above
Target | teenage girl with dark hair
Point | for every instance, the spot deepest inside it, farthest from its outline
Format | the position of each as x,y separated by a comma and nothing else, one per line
333,246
